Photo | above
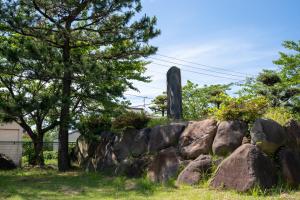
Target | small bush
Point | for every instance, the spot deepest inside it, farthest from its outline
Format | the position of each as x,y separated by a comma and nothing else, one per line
94,125
241,108
279,114
130,120
158,121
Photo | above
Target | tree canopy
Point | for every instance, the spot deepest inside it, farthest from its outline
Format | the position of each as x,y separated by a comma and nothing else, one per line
98,46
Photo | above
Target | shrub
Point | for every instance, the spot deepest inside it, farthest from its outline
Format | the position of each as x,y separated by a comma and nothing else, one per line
279,114
158,121
50,155
130,120
241,108
93,125
28,152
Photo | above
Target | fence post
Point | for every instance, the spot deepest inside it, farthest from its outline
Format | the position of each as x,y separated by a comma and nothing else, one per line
174,93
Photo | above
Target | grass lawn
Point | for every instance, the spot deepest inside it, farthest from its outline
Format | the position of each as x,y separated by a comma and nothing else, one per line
49,184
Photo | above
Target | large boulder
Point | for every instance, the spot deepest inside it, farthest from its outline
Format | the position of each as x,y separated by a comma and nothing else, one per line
268,135
162,137
132,143
290,166
164,166
103,157
195,170
6,163
244,169
229,137
292,129
197,138
134,167
83,150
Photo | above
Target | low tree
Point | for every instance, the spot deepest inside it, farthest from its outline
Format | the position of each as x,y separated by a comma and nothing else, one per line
198,100
27,95
159,104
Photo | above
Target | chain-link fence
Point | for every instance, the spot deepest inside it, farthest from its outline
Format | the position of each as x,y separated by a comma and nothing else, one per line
22,152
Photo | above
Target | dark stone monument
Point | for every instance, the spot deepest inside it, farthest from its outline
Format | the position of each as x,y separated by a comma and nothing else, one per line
174,93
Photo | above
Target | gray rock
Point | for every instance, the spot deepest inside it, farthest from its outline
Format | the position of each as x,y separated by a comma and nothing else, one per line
290,166
83,150
244,169
195,170
268,135
162,137
6,163
164,166
229,136
134,167
292,128
197,138
133,143
246,140
103,157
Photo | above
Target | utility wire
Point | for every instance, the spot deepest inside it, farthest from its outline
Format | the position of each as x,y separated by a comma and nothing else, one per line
198,68
183,77
204,65
195,72
145,97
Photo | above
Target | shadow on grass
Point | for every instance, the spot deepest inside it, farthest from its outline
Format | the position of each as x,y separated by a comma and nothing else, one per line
49,184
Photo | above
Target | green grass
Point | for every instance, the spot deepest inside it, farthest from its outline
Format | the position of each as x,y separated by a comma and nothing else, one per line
49,184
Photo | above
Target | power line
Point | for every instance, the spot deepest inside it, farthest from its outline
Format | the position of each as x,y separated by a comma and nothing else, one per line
204,65
188,78
145,97
195,72
198,68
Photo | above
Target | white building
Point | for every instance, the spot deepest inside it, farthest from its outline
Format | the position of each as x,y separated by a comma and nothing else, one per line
11,141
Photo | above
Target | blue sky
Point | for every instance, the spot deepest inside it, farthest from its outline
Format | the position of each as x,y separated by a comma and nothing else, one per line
244,36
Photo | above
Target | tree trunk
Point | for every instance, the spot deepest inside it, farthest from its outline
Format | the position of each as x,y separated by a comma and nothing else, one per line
38,157
63,156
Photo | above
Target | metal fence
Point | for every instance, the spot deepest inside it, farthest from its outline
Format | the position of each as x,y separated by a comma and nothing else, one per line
20,152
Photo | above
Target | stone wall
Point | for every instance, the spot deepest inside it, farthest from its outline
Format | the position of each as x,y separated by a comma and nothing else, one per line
190,151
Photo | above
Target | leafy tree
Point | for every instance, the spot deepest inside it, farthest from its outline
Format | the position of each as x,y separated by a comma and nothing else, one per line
97,40
159,104
197,100
268,84
27,95
289,64
282,87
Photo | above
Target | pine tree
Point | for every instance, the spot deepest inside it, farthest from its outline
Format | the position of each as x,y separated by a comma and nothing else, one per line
160,104
96,39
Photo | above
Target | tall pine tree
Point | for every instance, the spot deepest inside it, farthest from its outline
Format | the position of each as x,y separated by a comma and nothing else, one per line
96,39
